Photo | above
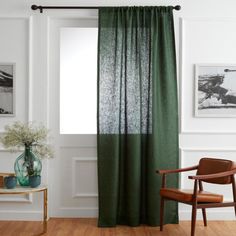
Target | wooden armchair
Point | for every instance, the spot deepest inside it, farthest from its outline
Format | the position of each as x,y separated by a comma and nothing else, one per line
210,170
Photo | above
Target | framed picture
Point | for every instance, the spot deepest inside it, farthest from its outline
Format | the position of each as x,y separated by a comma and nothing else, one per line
7,89
215,90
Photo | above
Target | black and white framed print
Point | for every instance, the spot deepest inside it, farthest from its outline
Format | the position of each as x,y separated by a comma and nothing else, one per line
7,89
215,92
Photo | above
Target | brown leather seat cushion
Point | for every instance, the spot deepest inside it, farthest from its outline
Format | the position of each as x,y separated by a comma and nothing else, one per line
186,195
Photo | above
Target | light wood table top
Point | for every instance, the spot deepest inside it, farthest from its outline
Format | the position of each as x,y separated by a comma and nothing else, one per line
22,189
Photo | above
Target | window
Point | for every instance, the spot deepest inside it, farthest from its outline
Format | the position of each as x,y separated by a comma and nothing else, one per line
78,80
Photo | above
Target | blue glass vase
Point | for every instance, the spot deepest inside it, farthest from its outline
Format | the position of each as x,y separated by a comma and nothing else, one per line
27,164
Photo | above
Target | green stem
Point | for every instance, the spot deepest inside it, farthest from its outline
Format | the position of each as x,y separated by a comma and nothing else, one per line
28,159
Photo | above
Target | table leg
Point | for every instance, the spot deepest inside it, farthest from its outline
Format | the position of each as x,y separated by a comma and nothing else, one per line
45,210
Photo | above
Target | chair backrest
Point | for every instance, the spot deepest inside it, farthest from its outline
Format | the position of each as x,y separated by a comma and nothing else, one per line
213,166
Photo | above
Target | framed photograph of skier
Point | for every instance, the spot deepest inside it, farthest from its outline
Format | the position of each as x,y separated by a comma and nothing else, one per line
7,89
215,90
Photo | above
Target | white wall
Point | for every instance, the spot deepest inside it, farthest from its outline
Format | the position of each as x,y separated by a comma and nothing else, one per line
24,39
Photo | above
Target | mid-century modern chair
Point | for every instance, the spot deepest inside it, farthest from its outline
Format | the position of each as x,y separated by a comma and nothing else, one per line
210,170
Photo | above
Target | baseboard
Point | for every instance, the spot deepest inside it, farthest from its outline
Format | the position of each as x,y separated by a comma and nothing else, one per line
211,214
21,215
93,213
38,215
67,212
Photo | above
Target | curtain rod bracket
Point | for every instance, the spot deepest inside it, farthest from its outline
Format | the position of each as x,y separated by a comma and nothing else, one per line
35,8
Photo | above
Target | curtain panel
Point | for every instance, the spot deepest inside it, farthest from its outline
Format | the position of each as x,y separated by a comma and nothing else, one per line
137,114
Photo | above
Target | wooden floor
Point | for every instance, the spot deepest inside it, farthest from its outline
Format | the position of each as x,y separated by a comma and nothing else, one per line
88,227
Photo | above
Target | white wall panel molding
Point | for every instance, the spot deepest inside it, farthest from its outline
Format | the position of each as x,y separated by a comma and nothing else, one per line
203,132
27,198
207,149
75,162
47,32
29,99
30,69
192,125
208,19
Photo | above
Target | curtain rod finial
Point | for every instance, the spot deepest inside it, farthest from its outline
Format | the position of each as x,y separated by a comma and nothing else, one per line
177,7
34,7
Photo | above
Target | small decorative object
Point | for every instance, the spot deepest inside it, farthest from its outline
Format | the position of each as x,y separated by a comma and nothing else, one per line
2,175
7,89
33,138
10,181
215,94
34,181
26,165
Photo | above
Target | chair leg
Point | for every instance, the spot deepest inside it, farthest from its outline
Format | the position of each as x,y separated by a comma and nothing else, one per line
234,192
162,213
203,209
204,216
194,215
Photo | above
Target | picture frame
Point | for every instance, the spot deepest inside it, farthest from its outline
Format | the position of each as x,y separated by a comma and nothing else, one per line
7,89
215,90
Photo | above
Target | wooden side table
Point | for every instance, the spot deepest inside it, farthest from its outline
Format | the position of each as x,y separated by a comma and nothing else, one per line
28,190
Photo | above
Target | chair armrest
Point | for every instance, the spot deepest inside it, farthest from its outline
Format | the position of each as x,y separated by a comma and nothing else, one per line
176,170
212,176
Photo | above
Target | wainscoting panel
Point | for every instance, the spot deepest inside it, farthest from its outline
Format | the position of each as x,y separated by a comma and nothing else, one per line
15,47
84,168
204,40
79,180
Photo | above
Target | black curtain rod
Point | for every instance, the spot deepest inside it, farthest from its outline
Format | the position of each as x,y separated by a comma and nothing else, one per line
41,8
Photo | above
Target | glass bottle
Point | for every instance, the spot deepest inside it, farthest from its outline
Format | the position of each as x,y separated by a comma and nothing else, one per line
27,164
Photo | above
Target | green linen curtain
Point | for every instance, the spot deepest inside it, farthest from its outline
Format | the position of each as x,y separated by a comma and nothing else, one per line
137,114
